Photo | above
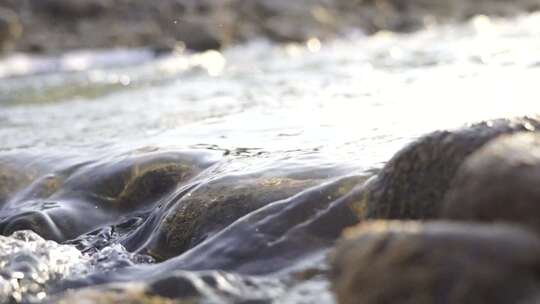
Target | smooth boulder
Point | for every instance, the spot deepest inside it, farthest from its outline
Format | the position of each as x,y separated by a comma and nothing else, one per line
389,262
499,182
413,183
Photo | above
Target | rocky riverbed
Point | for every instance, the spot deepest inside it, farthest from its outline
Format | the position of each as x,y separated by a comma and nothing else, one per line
53,26
384,168
482,179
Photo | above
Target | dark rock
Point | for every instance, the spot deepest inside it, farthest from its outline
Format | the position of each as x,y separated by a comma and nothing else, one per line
279,235
71,10
196,35
210,207
171,287
291,235
406,16
436,263
79,199
57,25
499,182
413,183
54,26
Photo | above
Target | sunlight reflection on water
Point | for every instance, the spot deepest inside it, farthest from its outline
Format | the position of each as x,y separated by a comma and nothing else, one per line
348,104
388,86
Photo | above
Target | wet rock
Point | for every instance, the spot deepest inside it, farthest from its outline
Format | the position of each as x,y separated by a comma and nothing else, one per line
407,262
499,182
135,180
291,236
76,200
10,29
413,183
178,287
17,173
11,180
209,207
115,294
111,257
278,236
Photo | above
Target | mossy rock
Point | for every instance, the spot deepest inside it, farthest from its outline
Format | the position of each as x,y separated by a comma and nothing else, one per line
214,205
413,183
134,180
279,236
63,205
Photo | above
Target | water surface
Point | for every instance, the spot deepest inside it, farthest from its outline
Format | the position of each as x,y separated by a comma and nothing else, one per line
191,164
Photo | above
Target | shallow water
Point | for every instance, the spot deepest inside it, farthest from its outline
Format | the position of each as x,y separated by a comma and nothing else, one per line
166,169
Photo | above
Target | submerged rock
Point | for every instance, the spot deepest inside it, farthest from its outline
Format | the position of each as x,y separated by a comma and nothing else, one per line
212,206
12,179
413,183
116,294
75,200
413,263
499,182
279,236
178,287
289,236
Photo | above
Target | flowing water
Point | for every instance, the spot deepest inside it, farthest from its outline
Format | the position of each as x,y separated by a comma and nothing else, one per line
224,177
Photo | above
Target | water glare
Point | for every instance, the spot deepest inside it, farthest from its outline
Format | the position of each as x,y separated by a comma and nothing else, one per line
153,170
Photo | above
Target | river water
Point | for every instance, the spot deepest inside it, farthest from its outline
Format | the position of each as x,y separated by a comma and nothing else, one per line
152,169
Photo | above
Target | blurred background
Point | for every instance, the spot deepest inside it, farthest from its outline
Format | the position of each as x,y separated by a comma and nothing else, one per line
53,26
